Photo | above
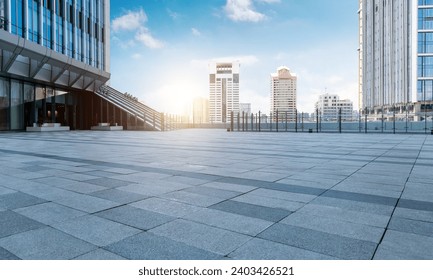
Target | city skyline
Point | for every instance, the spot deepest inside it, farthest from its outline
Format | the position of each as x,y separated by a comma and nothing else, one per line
170,44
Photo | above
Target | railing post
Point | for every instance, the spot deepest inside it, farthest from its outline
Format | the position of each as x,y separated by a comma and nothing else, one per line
162,122
302,118
260,119
270,122
231,121
144,120
277,121
246,122
239,121
286,122
339,120
296,121
317,120
243,121
365,125
252,122
393,119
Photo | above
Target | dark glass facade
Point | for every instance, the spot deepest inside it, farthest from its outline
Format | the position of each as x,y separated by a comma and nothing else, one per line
52,91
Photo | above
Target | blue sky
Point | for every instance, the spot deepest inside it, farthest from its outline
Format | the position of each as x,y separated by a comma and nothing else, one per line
160,49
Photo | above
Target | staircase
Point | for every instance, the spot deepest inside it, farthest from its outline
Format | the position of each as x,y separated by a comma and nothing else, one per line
152,119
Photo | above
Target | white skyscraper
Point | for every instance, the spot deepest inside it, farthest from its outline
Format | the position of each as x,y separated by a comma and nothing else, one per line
283,93
396,57
223,91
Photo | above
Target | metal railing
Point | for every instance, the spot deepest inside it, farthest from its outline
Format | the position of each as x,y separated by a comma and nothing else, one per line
299,122
151,119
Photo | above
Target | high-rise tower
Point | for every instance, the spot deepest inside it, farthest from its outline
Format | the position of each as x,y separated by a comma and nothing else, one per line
223,91
396,58
284,93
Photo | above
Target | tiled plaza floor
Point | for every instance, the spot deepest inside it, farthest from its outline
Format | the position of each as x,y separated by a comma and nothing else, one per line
210,194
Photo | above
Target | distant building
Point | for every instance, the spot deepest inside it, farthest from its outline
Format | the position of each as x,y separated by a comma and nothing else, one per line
223,91
200,110
284,93
245,107
330,107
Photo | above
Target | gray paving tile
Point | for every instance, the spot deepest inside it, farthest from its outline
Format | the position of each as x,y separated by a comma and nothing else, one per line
404,246
192,198
418,215
305,198
121,171
82,187
364,207
361,197
95,230
334,226
87,203
415,205
370,191
79,177
122,197
108,182
142,177
47,192
49,213
229,187
208,238
411,226
273,186
186,180
6,255
18,200
225,220
250,210
346,215
99,254
260,249
100,174
55,181
6,191
320,242
166,207
45,244
153,187
147,246
213,192
269,202
135,217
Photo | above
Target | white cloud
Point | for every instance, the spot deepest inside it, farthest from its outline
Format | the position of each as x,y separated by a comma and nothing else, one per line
195,32
269,1
135,21
145,37
132,20
172,14
137,56
245,60
242,10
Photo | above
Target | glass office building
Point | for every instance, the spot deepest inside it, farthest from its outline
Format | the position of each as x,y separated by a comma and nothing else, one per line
53,55
396,58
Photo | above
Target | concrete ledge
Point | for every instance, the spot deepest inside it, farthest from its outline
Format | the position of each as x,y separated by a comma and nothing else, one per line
47,128
107,128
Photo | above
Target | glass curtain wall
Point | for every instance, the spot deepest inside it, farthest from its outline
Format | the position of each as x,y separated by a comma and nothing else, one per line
16,106
2,15
78,26
4,104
